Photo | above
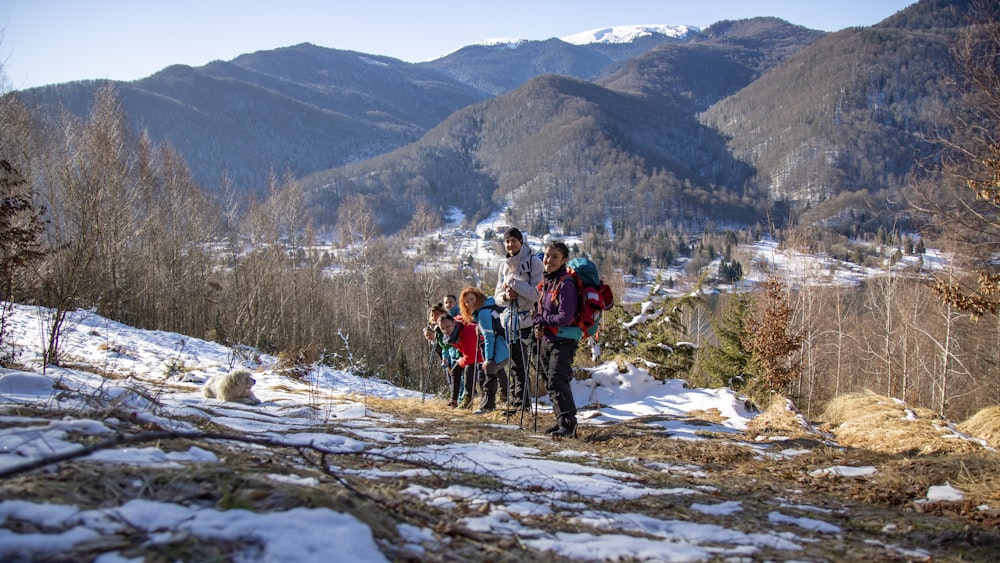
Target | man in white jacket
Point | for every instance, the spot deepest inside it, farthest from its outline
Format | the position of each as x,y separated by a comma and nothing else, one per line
517,290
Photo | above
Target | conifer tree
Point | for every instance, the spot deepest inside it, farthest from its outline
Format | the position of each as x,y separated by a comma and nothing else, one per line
20,228
727,362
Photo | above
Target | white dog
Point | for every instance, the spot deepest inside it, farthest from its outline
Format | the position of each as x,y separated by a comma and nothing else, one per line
233,387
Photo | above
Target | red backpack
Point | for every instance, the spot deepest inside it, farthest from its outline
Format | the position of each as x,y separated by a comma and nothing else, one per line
595,296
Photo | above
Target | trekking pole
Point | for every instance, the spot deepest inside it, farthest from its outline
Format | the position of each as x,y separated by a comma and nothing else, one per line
475,375
511,329
526,360
448,377
538,369
510,350
475,383
423,376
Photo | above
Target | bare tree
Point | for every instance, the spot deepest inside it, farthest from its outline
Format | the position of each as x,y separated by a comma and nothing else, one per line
838,337
971,156
75,200
358,232
879,333
171,266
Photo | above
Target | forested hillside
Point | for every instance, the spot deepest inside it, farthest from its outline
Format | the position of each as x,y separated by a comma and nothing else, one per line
844,122
625,155
292,110
751,122
496,69
742,123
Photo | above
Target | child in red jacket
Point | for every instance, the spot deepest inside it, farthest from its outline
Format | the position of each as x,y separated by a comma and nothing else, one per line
465,338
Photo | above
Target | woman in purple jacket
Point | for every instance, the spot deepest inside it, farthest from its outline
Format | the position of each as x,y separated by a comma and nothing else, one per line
556,329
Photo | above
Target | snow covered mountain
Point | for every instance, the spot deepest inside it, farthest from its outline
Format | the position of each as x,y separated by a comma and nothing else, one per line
503,42
628,33
615,35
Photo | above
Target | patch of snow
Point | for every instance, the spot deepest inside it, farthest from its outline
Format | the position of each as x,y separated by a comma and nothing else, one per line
947,493
844,471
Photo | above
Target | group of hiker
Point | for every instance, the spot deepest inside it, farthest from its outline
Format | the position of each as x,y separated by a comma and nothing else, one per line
529,318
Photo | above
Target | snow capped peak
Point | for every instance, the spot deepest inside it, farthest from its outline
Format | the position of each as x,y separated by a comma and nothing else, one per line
614,34
504,42
497,42
627,33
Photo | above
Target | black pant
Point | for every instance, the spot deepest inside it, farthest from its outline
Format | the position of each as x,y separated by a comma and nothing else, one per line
456,374
490,382
557,371
520,355
473,379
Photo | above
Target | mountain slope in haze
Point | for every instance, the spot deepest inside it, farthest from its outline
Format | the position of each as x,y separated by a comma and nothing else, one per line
496,69
498,66
557,150
299,109
724,58
847,116
305,108
629,150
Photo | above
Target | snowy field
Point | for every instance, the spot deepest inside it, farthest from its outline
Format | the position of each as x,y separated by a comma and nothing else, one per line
158,377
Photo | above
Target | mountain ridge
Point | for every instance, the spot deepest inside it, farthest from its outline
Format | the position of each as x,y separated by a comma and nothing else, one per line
774,116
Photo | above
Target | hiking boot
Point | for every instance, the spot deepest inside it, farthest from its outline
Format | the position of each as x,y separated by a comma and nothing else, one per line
515,409
452,404
554,428
564,432
567,428
482,410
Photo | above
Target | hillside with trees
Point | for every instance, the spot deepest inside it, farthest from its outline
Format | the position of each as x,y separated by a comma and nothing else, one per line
843,120
291,110
496,69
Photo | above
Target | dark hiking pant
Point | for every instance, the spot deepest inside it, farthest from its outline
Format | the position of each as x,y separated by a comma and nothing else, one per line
520,355
557,372
455,374
490,380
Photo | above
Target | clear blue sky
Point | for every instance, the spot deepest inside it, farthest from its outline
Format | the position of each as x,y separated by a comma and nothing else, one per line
52,41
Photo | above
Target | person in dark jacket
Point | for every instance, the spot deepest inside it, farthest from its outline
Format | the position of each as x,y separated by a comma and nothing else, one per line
555,327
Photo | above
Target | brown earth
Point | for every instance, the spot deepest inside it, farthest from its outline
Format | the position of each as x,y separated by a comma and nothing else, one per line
774,464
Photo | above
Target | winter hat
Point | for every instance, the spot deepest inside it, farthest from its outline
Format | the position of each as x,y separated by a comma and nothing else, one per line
513,232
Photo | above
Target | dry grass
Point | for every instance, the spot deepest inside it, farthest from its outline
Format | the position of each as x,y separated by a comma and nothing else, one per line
901,481
882,424
984,425
780,419
723,463
461,424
